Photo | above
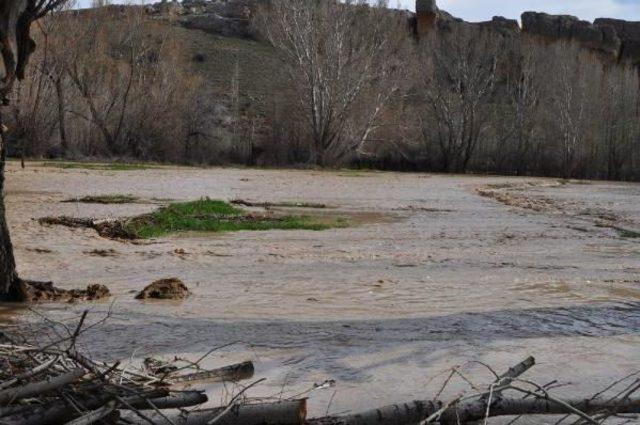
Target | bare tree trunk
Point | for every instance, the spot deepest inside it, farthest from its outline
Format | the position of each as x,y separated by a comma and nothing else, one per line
10,284
64,144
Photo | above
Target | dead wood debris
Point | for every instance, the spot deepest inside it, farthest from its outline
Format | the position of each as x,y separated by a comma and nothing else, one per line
39,292
513,199
104,199
102,252
415,208
55,384
511,195
267,205
507,395
112,229
39,250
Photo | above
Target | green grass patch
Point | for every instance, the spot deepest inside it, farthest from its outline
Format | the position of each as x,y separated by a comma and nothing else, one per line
208,215
105,199
627,233
99,166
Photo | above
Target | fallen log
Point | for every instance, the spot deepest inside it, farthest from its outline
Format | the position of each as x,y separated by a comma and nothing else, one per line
236,372
48,415
36,388
395,414
291,412
475,411
173,401
107,411
246,203
417,411
30,373
518,369
59,411
111,229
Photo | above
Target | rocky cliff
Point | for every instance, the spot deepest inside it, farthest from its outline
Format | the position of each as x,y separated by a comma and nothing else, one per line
616,39
620,39
222,17
613,38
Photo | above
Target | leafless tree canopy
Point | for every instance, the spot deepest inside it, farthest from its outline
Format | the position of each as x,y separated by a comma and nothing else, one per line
343,60
341,84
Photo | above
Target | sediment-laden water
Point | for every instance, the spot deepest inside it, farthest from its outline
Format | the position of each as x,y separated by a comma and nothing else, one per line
435,276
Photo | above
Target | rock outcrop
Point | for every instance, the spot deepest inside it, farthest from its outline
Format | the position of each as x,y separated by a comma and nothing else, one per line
563,27
629,34
613,38
226,18
502,25
426,16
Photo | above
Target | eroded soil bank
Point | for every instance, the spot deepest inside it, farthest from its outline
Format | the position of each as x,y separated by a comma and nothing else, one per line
435,276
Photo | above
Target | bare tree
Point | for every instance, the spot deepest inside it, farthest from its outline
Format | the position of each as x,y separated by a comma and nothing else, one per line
516,114
105,83
336,54
620,128
457,78
16,45
570,105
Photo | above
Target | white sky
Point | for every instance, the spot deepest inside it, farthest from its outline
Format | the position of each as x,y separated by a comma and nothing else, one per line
481,10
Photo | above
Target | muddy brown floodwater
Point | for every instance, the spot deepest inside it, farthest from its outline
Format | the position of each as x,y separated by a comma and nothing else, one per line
436,276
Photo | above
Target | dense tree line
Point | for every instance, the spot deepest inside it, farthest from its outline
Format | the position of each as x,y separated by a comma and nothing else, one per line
360,91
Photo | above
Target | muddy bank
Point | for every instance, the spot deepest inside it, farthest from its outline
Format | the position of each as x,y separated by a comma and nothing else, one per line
47,292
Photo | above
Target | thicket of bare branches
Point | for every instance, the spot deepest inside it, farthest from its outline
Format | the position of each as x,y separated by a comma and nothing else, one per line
343,61
112,83
358,90
47,378
488,103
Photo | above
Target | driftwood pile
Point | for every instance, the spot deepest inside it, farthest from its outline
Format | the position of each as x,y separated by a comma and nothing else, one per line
107,228
56,384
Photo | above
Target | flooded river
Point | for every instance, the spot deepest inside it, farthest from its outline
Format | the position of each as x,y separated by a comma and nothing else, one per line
436,275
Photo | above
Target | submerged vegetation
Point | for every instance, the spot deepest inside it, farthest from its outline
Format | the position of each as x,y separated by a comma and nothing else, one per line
628,233
208,215
204,215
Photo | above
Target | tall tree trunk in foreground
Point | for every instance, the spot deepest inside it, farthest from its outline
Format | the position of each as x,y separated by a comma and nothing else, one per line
16,45
10,284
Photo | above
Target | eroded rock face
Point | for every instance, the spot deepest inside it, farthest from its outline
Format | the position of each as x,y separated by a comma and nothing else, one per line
502,24
426,16
629,34
564,27
226,18
626,30
165,289
426,6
